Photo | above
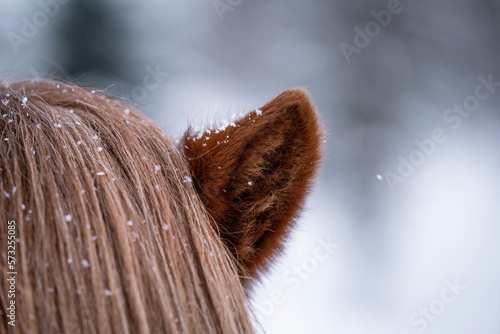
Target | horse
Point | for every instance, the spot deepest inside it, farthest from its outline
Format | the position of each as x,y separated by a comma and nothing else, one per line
109,225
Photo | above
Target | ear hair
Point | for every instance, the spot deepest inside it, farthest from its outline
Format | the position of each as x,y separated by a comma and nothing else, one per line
254,174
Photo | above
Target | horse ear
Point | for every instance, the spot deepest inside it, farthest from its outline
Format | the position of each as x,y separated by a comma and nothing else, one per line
253,175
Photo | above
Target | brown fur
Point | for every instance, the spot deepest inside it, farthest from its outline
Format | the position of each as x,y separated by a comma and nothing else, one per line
77,167
278,153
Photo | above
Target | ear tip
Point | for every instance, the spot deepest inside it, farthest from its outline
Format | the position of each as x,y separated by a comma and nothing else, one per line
298,95
299,100
297,90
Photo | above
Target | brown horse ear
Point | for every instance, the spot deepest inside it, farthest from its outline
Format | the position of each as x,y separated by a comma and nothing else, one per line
253,174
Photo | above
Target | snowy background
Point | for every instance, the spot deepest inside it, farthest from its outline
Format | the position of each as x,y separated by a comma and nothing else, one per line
378,250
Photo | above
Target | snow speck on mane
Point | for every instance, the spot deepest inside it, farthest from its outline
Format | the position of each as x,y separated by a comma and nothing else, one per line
188,180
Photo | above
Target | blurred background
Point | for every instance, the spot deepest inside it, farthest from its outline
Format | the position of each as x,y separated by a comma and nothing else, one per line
401,233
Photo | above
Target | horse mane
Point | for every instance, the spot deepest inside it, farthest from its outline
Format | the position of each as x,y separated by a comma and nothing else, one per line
111,236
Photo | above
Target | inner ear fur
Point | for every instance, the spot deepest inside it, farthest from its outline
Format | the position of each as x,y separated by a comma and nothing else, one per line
253,175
